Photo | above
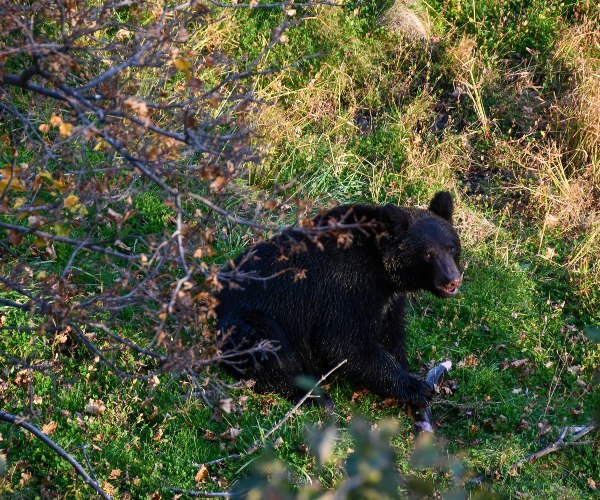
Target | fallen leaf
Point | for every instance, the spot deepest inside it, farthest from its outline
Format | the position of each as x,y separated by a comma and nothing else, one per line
138,106
218,184
15,238
356,395
109,489
210,435
49,428
231,434
202,474
153,382
468,362
25,477
55,121
225,405
66,129
524,424
517,363
543,427
72,203
114,474
95,407
182,64
488,425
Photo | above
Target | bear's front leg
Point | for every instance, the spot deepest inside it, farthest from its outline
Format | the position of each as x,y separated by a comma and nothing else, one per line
378,371
392,335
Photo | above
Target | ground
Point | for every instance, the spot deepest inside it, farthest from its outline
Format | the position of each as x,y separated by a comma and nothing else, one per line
499,105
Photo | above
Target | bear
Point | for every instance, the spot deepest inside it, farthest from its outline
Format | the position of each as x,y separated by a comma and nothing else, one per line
334,291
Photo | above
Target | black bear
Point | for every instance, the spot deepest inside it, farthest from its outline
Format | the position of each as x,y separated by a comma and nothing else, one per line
337,291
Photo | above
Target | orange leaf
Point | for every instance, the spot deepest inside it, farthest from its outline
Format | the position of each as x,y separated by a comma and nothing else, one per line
114,474
65,129
202,474
49,428
182,64
55,121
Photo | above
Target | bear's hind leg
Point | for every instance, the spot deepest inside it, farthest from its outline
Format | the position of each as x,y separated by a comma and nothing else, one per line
272,370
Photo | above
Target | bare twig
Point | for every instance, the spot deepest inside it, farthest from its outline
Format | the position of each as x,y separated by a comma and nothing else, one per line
260,443
205,494
19,422
576,433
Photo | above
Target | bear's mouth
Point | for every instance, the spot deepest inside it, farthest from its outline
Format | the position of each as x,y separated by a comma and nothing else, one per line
447,291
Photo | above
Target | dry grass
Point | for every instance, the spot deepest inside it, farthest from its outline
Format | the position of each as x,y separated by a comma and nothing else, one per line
471,73
577,113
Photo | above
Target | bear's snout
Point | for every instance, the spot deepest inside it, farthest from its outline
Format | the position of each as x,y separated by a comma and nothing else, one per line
450,289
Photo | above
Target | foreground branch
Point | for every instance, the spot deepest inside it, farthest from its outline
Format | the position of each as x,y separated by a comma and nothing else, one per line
19,422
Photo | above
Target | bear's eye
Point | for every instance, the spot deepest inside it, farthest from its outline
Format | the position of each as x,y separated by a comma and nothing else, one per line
452,249
428,255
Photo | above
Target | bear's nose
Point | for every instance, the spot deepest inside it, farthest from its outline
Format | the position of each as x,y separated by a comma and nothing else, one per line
455,283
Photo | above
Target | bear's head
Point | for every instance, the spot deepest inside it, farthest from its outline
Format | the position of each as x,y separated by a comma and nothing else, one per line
422,251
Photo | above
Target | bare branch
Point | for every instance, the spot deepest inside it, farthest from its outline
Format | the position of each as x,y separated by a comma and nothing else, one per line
205,494
91,245
19,422
576,434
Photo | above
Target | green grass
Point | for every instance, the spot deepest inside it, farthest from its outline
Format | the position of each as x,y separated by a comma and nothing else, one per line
358,124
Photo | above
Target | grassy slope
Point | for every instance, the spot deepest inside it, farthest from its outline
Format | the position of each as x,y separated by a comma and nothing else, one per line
377,118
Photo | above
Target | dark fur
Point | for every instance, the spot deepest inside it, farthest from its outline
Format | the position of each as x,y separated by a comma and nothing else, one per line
350,304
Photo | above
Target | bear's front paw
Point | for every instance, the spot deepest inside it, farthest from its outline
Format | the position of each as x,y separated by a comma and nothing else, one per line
420,393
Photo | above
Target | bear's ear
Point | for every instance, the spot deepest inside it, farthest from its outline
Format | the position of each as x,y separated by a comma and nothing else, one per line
396,218
442,205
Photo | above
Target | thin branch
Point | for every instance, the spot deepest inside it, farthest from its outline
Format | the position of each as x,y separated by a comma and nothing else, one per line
17,81
275,5
72,258
90,245
259,443
95,351
127,342
16,305
132,61
19,422
205,494
560,443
